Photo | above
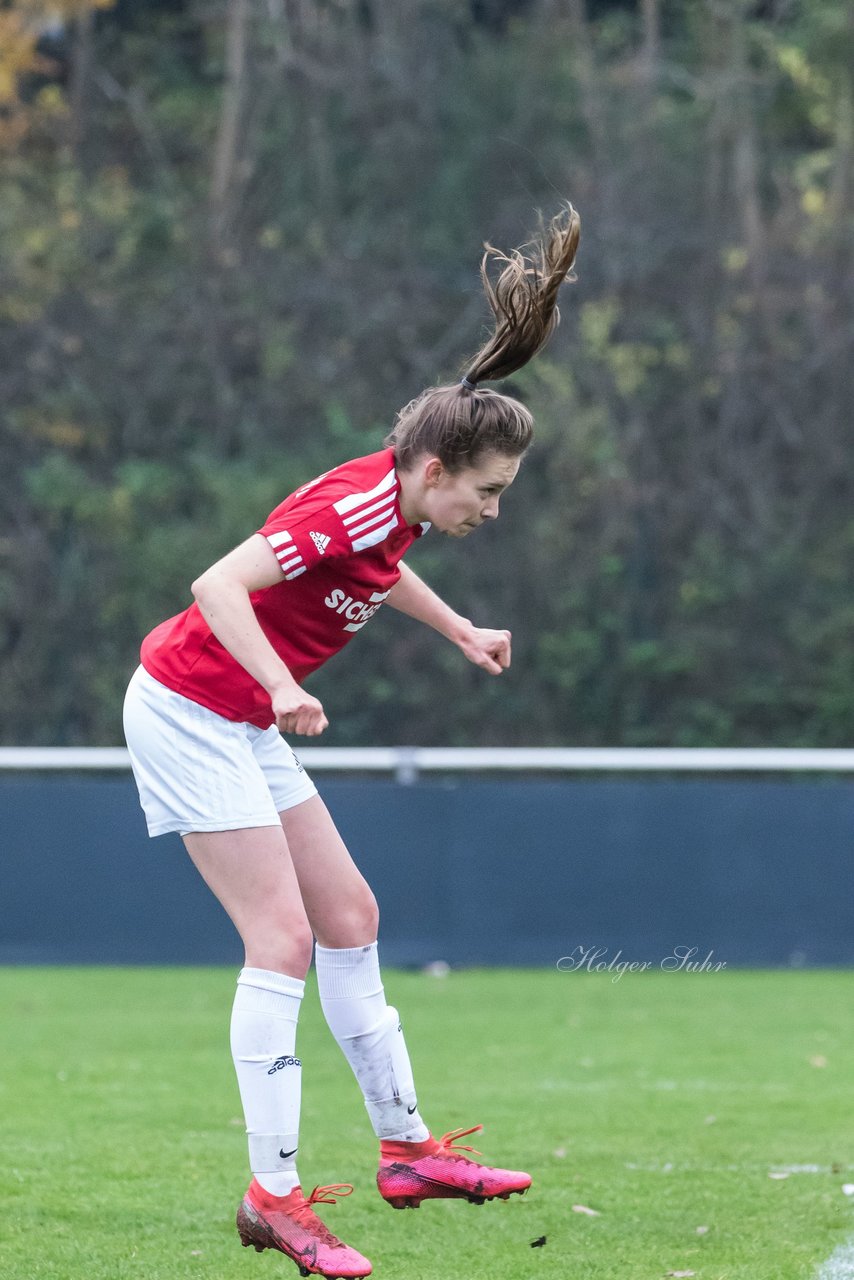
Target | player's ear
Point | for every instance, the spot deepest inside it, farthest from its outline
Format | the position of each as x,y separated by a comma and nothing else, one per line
433,471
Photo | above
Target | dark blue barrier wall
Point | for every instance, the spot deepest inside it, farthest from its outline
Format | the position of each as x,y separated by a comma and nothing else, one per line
472,872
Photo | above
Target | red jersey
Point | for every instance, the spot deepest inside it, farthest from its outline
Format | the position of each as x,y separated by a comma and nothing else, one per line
339,540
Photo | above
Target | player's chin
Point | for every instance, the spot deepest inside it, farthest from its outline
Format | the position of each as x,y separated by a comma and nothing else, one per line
460,530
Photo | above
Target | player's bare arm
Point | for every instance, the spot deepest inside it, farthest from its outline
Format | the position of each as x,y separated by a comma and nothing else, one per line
484,647
222,594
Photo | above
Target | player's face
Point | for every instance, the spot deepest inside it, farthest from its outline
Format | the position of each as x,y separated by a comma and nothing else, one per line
459,503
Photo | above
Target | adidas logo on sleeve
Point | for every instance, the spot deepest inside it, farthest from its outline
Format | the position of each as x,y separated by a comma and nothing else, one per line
321,541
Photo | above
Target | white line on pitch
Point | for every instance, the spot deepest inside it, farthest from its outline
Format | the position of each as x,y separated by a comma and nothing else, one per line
840,1264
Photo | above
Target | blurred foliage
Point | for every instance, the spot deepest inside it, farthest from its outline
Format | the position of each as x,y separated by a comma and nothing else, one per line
236,236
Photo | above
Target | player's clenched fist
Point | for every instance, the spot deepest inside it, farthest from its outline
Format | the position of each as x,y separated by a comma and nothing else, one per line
487,649
298,712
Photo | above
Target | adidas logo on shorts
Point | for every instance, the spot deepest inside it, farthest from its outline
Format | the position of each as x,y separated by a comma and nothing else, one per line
320,540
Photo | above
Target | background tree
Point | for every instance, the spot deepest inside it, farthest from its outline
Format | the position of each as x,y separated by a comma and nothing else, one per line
236,237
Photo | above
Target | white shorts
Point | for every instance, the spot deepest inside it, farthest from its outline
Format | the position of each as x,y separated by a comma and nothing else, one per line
197,771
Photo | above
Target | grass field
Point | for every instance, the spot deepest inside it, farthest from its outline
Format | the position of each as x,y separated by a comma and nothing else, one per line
664,1102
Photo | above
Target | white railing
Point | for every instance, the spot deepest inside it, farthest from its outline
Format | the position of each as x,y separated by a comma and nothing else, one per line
406,763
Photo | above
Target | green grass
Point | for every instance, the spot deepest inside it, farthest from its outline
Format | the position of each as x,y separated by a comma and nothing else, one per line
663,1101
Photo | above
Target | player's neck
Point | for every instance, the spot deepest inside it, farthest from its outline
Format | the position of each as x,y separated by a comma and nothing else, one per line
411,497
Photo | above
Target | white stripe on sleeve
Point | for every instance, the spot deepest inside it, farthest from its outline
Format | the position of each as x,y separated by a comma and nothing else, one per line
353,500
376,535
279,539
379,517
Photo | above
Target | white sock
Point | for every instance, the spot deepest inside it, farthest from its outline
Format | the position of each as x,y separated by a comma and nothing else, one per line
263,1044
371,1038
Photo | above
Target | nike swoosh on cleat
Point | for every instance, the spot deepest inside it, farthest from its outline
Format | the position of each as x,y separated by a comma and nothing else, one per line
285,1154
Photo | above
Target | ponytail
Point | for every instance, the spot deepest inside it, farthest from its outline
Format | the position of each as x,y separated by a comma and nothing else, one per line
523,299
459,423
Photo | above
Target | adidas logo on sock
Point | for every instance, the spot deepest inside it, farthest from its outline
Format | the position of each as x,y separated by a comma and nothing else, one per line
320,540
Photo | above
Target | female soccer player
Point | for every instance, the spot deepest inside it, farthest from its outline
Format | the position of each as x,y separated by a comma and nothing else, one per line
203,716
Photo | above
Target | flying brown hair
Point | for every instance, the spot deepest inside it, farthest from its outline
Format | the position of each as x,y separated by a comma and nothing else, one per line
458,423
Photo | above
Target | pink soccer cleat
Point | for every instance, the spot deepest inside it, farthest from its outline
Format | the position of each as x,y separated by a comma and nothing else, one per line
437,1170
287,1223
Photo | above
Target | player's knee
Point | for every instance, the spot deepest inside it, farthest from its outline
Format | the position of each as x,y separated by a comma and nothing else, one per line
354,922
300,946
366,915
359,920
282,947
